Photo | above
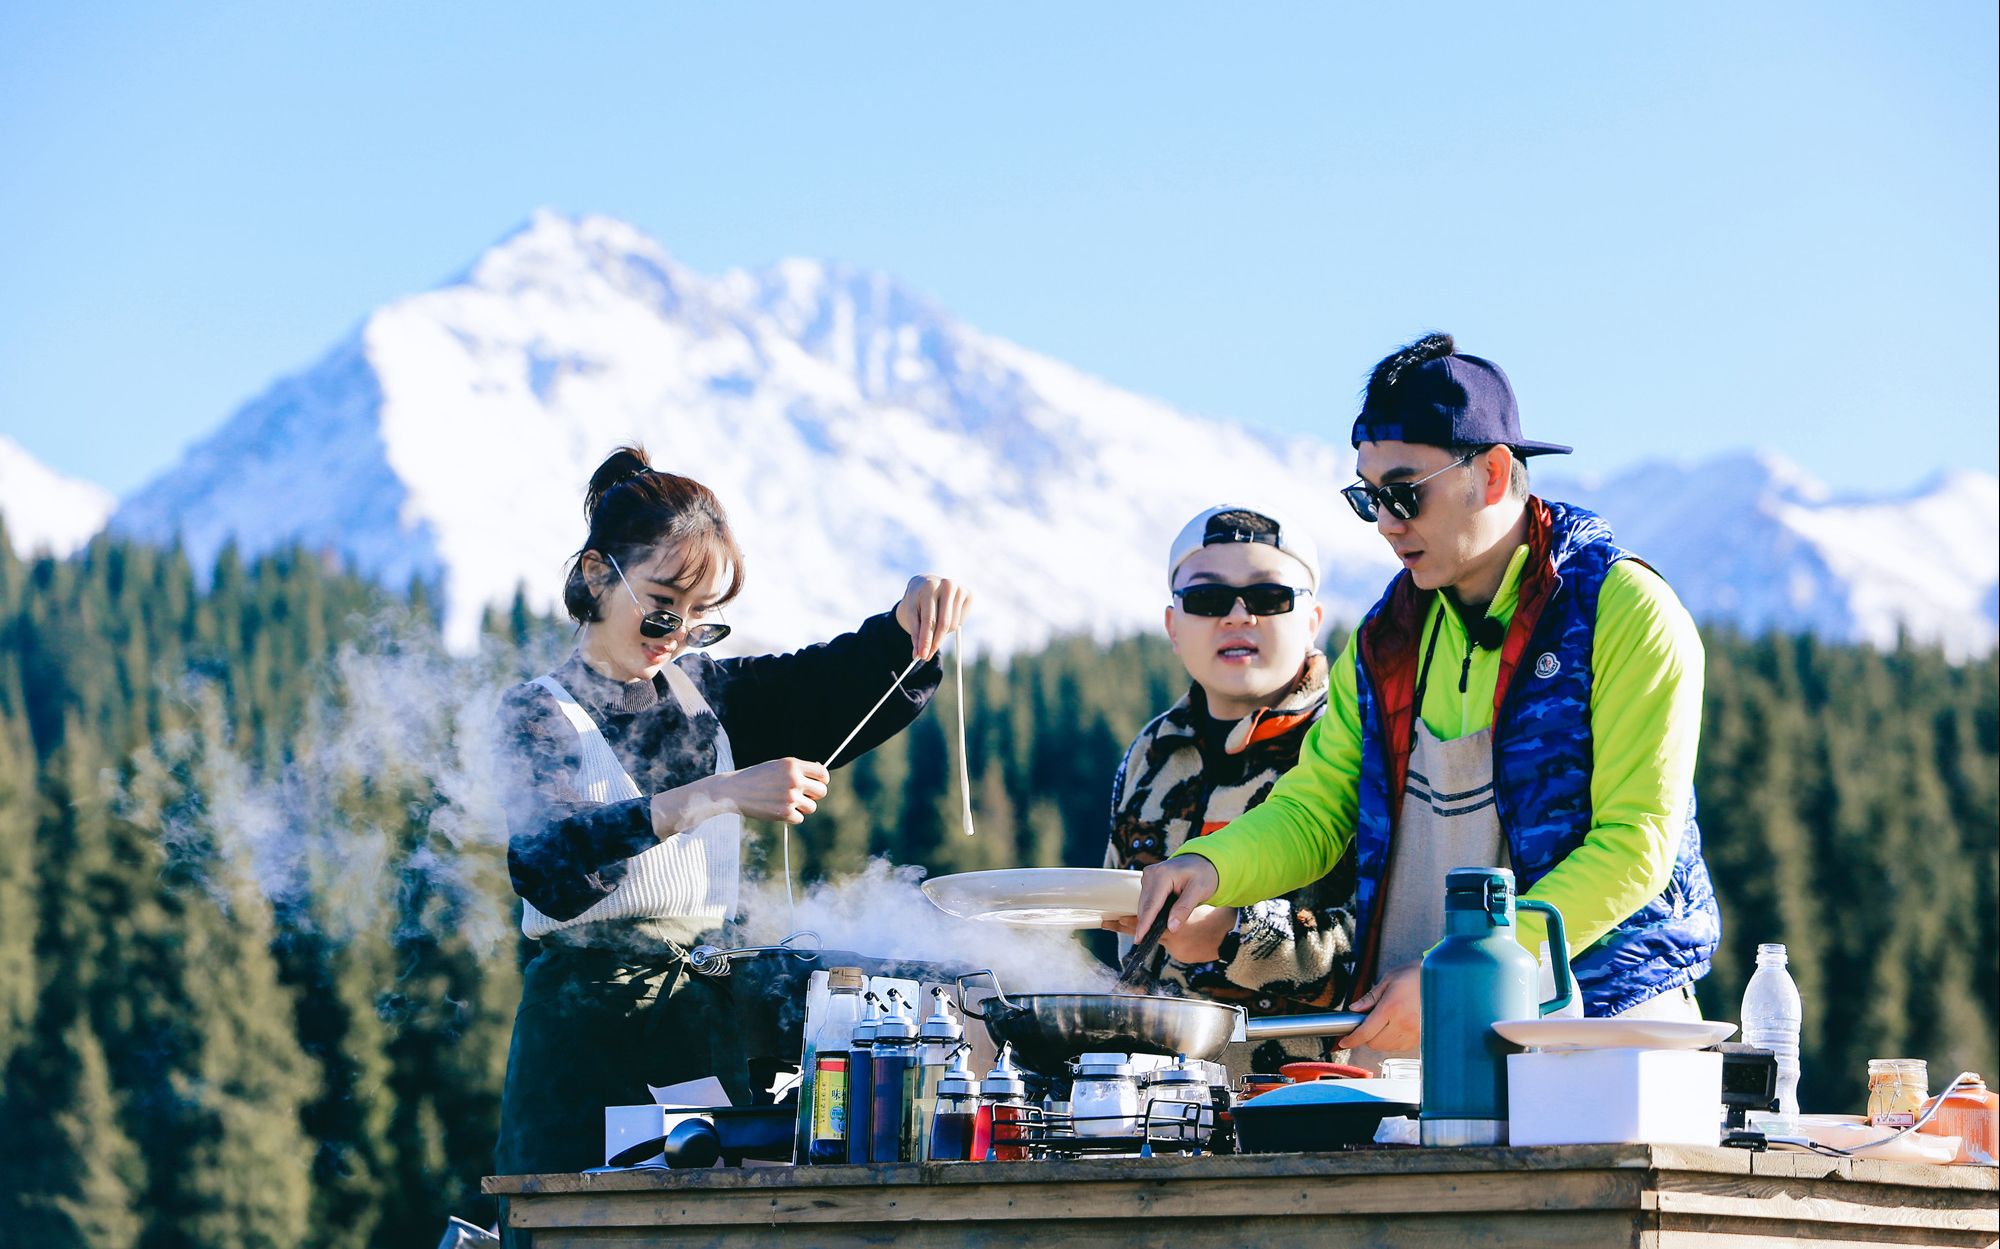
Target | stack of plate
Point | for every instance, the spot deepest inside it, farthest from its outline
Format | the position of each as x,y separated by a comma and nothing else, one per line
1567,1033
1044,897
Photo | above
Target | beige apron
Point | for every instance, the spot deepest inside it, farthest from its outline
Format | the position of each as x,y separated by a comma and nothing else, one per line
1451,819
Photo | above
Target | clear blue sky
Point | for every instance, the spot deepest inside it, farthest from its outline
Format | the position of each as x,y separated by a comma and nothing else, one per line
1681,228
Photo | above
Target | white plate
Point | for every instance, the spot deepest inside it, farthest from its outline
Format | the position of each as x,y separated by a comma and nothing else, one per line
1047,897
1557,1033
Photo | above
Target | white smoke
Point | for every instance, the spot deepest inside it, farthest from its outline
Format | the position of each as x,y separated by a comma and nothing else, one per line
405,732
387,786
881,911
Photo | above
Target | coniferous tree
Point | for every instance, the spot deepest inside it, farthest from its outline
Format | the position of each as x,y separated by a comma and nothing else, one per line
69,1175
18,903
230,1163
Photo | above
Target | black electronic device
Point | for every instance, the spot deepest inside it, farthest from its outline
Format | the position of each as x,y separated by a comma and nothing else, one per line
1749,1081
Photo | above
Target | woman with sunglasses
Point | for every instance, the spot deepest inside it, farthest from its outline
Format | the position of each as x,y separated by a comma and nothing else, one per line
628,772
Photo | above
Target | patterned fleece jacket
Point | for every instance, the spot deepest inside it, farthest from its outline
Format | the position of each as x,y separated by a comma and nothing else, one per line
1287,954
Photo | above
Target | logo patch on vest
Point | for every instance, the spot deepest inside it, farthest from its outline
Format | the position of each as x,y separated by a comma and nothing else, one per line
1547,665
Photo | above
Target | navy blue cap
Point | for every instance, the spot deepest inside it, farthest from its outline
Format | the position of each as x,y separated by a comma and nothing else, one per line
1451,401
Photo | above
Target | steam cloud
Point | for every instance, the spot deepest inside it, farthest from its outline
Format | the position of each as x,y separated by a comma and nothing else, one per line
882,911
414,729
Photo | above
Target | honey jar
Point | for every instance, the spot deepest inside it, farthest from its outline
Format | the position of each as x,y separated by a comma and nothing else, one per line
1897,1088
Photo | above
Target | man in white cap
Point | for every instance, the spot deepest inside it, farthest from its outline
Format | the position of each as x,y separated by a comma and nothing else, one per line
1243,618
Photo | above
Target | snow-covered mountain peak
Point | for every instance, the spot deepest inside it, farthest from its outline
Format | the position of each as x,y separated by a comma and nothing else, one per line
583,261
858,433
46,512
1754,539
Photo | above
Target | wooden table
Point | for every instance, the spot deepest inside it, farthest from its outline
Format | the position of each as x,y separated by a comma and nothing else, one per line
1550,1198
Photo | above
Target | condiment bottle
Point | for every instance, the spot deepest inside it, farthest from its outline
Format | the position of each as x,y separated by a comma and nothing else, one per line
827,1135
957,1106
1971,1112
1104,1098
1897,1088
860,1079
1000,1126
893,1097
937,1040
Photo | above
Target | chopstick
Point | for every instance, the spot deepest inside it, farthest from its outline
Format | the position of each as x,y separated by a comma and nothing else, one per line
856,732
1132,970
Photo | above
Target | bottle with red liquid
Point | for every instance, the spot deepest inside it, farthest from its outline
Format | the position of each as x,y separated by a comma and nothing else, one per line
1000,1127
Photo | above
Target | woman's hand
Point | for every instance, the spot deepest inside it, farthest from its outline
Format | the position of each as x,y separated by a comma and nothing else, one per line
781,789
1395,1012
1198,941
931,608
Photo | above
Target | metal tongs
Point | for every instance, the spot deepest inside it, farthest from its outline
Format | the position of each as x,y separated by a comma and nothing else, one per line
711,960
1132,970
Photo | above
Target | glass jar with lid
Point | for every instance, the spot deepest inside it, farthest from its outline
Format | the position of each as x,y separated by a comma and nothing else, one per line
1897,1088
1410,1069
1104,1097
1179,1103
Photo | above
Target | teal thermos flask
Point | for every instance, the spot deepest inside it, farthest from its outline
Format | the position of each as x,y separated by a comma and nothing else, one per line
1476,977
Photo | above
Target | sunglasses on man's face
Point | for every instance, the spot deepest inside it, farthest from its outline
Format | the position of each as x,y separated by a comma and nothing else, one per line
1398,498
1263,599
659,622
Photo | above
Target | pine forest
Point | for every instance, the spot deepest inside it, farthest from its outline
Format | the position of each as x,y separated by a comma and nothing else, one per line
259,956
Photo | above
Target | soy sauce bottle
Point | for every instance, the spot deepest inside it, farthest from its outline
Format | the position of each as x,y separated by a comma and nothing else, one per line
831,1113
861,1079
893,1097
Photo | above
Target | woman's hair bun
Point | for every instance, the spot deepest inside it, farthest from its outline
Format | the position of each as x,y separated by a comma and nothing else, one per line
620,466
634,510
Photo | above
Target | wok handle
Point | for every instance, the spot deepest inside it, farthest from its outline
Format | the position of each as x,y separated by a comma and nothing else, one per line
1325,1023
965,999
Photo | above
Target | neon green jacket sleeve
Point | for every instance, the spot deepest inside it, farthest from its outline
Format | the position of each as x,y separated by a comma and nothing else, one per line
1305,824
1645,715
1645,727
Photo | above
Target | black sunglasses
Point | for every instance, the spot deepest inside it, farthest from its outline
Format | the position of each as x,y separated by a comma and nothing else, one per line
1399,497
1263,599
659,622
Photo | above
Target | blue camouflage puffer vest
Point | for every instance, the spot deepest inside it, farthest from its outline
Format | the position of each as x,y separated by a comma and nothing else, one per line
1541,759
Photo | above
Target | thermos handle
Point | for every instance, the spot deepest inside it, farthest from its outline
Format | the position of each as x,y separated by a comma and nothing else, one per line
1558,954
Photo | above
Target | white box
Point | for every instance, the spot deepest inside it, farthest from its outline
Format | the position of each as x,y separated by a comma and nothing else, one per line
1614,1096
625,1126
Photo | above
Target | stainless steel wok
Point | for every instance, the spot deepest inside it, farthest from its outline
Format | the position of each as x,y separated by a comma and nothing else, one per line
1047,1030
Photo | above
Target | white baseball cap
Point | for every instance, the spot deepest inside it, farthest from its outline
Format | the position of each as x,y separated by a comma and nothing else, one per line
1225,524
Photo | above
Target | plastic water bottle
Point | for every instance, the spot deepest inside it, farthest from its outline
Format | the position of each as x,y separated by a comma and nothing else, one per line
1771,1020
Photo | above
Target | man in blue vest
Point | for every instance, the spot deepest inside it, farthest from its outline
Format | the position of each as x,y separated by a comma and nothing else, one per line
1526,694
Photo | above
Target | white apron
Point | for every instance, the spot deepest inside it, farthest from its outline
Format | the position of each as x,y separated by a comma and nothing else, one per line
690,877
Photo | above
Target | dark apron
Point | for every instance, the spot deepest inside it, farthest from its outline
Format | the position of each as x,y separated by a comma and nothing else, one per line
595,1027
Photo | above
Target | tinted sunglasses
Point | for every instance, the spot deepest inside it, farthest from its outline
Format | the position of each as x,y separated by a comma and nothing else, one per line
1263,599
659,622
1399,498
